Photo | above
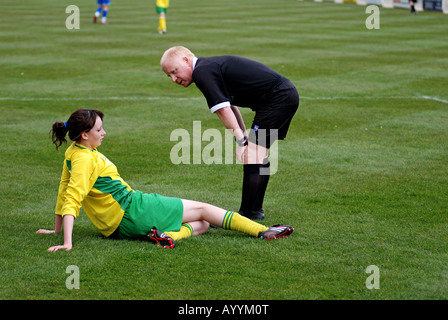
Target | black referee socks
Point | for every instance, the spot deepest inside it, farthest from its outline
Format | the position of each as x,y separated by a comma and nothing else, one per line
254,188
264,184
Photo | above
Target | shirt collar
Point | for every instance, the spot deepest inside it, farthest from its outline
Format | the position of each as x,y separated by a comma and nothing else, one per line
194,62
82,147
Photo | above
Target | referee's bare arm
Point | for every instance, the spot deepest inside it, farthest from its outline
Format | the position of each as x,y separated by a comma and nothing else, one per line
231,122
240,120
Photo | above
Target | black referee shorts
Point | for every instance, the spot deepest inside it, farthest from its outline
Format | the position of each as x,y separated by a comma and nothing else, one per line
272,120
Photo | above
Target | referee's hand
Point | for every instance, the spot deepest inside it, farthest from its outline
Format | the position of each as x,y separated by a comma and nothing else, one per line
240,152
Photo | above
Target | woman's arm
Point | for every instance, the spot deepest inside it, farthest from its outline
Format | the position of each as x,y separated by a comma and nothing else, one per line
73,189
65,179
68,221
57,226
57,223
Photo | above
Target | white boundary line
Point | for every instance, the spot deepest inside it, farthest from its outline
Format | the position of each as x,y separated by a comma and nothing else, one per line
197,98
92,98
434,99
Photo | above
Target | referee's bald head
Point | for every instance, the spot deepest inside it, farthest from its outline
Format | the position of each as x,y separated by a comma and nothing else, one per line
176,52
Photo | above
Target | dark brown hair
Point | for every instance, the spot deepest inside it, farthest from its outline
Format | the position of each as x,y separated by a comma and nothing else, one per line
80,121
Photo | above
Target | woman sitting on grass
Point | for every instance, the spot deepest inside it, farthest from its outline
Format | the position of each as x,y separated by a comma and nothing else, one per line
91,181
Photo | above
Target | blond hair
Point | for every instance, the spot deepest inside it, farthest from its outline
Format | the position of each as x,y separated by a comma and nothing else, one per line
177,51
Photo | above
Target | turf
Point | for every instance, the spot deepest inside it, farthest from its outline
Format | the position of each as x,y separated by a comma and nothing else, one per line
361,175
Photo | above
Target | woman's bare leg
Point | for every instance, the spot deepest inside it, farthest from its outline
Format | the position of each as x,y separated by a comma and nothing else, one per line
230,220
199,211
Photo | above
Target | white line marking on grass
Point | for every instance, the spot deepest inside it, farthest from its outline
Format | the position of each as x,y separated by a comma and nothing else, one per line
94,98
434,99
198,98
350,98
376,97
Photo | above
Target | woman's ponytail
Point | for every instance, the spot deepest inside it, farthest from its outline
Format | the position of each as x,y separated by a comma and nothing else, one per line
58,133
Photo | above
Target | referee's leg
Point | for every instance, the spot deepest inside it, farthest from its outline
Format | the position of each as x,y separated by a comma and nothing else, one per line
253,181
256,161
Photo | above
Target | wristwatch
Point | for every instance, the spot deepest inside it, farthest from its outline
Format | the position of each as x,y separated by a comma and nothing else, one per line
242,142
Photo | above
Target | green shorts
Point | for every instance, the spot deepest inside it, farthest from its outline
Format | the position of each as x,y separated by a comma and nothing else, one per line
147,211
159,10
162,6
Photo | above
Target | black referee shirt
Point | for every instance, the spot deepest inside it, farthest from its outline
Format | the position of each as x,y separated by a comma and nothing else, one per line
233,80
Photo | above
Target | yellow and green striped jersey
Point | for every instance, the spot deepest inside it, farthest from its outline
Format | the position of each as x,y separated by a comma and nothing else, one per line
163,3
91,181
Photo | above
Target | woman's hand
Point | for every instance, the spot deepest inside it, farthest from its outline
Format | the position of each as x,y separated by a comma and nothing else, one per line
68,229
67,247
45,231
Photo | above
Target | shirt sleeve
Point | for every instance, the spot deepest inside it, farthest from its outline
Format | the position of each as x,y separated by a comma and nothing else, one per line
65,179
82,178
209,80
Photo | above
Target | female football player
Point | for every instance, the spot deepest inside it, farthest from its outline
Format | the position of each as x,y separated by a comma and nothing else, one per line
90,180
161,9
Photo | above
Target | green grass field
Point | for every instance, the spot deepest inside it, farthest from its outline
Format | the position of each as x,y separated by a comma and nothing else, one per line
362,175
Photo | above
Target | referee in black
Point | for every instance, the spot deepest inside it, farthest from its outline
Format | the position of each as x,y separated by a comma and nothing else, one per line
230,81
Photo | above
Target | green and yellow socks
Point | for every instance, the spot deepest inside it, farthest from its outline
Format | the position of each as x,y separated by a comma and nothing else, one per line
185,231
162,24
234,221
231,221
